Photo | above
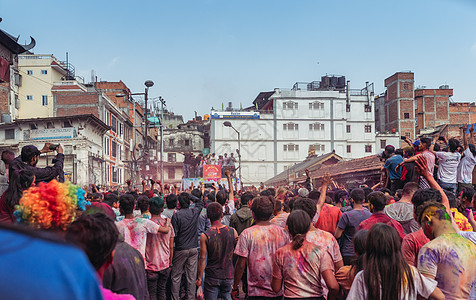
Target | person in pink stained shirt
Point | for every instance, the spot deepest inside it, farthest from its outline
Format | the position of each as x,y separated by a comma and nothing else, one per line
256,248
300,265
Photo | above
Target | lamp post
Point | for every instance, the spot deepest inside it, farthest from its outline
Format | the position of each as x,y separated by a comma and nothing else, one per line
148,84
162,103
228,124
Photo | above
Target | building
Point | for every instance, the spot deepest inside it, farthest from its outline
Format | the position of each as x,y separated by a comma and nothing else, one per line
10,78
399,104
324,116
81,137
39,73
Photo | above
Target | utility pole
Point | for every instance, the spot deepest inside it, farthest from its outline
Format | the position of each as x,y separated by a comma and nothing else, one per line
162,103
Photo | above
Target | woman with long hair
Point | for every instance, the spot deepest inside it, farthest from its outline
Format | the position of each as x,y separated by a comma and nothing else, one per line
20,180
300,265
386,275
346,274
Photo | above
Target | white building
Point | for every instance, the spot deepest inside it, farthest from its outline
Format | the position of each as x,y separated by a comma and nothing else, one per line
324,115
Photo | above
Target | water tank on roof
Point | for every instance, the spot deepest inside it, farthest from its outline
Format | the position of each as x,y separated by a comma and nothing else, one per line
444,87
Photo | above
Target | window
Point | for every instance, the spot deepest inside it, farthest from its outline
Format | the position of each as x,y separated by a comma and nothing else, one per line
171,173
121,129
67,124
316,105
50,125
29,97
44,72
349,148
368,108
10,134
171,142
108,169
171,157
368,148
290,126
29,72
368,128
291,147
406,86
318,147
316,126
114,174
44,100
406,115
290,105
33,126
407,134
383,143
348,128
186,143
114,149
113,123
106,145
347,108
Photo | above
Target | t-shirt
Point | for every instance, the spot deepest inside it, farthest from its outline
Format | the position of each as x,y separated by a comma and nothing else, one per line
349,223
470,235
447,166
466,166
258,244
412,244
135,232
461,221
33,267
391,164
402,212
452,260
423,286
323,238
220,247
157,251
382,218
110,295
301,269
280,219
430,160
328,218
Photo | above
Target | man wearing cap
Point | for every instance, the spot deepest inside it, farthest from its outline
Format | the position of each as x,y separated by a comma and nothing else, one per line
29,157
391,163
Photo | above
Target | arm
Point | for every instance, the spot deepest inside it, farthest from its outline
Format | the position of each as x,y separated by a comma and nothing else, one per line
432,147
423,170
331,284
202,260
322,198
239,269
231,196
338,233
166,228
437,295
471,129
408,141
276,284
171,246
308,183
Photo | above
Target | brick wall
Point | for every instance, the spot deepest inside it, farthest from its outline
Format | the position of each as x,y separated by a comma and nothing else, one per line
4,97
76,103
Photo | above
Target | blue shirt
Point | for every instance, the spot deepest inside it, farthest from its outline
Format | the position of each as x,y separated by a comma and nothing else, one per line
37,268
391,164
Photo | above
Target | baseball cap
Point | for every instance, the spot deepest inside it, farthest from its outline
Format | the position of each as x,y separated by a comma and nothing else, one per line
416,143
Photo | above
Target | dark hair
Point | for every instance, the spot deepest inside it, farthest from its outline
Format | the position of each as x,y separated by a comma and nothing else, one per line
386,271
453,145
272,192
7,156
298,225
143,203
314,194
307,205
246,198
97,196
211,196
28,153
426,141
358,242
409,188
171,201
441,213
338,195
278,206
358,195
184,200
214,211
468,193
262,208
154,206
385,190
110,199
265,193
96,234
197,193
378,200
399,151
126,203
20,180
221,197
367,191
423,195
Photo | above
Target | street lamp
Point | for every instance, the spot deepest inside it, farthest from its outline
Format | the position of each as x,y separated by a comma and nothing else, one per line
228,124
148,84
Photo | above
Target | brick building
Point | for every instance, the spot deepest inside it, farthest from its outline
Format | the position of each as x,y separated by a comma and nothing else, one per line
399,104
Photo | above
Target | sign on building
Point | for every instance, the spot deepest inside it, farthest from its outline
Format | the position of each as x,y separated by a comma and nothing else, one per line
211,171
235,115
52,133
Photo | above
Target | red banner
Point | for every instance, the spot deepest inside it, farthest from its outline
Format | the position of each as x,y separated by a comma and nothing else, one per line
211,171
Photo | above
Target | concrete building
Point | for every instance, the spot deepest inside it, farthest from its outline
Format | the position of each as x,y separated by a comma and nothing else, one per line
81,137
324,116
39,73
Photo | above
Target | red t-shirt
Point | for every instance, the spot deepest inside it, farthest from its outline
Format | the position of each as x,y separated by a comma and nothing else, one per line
382,218
411,245
328,218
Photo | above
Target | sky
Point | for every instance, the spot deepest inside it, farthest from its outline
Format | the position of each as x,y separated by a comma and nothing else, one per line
203,53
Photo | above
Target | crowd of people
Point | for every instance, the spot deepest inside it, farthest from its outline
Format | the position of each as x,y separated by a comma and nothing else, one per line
193,165
411,236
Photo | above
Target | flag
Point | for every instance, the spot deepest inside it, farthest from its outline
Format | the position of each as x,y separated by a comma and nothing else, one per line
241,106
222,106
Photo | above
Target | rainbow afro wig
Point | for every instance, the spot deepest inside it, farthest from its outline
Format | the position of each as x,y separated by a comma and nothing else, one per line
51,205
